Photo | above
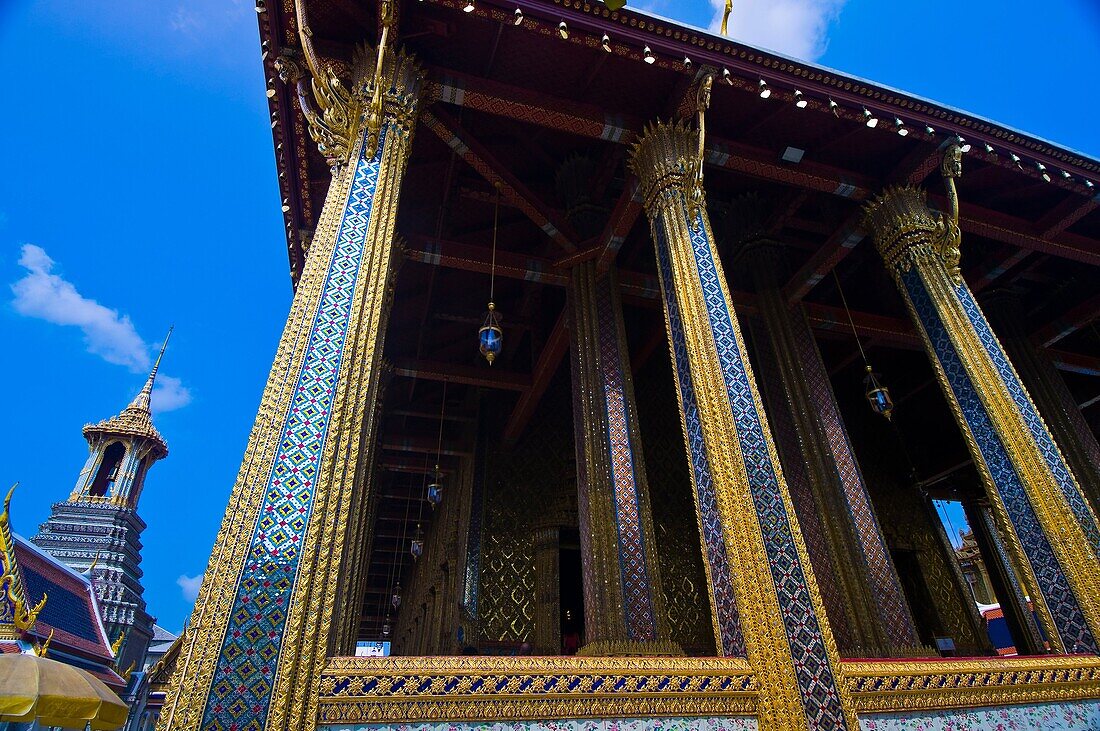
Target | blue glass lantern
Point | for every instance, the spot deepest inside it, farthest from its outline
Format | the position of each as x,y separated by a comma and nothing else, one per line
490,336
416,548
877,394
435,489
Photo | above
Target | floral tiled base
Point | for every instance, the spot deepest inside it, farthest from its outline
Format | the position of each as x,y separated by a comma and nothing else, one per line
1077,716
730,723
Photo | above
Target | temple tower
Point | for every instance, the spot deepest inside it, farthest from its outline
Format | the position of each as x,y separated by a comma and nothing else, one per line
98,528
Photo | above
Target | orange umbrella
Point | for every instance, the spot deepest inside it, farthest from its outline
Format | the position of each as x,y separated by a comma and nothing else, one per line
55,694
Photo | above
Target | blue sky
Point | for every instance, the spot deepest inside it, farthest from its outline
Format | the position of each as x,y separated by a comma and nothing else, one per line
138,191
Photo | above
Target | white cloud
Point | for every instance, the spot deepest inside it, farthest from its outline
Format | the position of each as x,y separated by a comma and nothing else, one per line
189,585
797,28
184,21
49,297
169,394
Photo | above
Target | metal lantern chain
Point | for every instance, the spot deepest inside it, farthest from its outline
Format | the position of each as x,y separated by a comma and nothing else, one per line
435,490
877,394
490,336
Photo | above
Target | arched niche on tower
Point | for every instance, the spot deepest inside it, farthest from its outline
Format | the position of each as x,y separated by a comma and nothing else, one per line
109,467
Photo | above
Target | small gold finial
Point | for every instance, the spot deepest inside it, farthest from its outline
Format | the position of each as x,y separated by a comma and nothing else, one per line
726,17
42,649
118,643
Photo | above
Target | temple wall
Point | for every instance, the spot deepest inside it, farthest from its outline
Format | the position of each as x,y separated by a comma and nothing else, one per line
520,485
681,560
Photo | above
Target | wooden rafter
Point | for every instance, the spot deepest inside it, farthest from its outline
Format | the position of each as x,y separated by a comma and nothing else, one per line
486,165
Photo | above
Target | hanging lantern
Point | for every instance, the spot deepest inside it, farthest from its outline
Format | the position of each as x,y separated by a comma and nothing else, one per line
435,489
416,548
395,600
490,336
386,628
877,394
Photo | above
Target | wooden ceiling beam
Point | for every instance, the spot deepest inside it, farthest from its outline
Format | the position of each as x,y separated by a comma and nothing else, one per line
482,377
1065,214
590,121
994,267
557,344
485,164
1068,322
913,168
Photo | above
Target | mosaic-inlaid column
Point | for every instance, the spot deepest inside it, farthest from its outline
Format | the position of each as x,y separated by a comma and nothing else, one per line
1050,528
264,620
623,601
739,486
1006,585
546,638
871,594
1048,390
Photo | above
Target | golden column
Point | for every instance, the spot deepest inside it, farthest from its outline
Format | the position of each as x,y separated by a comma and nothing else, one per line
871,598
1049,527
1048,390
744,509
624,608
266,615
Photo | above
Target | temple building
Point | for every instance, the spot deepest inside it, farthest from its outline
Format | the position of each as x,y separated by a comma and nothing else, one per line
623,365
49,609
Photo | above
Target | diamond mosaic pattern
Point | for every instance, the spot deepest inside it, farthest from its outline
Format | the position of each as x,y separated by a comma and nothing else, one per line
798,484
1052,582
641,622
243,679
816,679
1053,458
886,590
717,556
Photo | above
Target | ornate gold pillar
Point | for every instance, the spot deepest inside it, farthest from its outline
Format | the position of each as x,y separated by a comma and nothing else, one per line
263,624
750,534
1002,577
870,594
623,602
1048,390
547,635
1048,526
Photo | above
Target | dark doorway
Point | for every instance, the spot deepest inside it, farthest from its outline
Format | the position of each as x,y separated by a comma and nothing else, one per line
572,591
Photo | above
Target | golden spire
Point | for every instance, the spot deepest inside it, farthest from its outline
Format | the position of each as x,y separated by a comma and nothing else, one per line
141,401
136,420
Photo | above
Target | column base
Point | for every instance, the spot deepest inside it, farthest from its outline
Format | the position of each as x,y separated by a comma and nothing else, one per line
631,648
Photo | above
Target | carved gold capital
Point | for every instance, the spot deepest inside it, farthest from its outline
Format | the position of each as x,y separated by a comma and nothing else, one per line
337,112
400,80
666,160
902,222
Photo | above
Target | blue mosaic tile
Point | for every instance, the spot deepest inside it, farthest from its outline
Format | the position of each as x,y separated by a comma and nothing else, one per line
1051,456
723,601
244,677
1060,600
639,614
816,678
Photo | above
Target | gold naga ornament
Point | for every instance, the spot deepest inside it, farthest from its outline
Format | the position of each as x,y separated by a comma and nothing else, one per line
702,104
950,238
22,616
